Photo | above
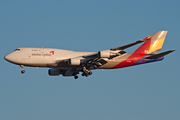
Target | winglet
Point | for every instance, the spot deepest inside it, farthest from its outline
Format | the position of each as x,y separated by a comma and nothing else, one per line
146,38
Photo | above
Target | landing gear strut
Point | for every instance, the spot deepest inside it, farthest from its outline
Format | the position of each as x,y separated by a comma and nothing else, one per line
22,71
90,73
86,72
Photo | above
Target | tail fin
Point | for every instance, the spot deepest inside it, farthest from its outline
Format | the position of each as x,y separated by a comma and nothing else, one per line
157,41
147,52
153,45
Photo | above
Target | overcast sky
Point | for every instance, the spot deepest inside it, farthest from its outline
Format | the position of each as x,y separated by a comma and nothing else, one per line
145,92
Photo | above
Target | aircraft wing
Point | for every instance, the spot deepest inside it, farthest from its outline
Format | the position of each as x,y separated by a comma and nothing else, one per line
88,57
90,61
93,55
120,48
131,44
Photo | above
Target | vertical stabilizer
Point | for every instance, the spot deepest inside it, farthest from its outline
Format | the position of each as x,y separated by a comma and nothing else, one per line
157,41
152,45
147,52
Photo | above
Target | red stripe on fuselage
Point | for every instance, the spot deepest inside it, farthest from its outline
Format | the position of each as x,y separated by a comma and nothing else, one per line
139,53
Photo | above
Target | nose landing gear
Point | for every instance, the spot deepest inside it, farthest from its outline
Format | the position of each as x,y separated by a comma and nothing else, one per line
22,71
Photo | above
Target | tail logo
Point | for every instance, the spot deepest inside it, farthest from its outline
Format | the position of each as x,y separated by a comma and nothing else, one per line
146,51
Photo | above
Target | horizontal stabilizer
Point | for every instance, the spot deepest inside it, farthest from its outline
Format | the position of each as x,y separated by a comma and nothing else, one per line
159,55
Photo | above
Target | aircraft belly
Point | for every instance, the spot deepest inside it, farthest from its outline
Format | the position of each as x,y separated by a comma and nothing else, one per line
64,67
35,64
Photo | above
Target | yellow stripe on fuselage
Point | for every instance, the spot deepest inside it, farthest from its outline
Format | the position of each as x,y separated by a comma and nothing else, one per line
156,45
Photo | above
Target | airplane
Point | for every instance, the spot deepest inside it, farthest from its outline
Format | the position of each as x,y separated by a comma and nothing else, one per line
71,63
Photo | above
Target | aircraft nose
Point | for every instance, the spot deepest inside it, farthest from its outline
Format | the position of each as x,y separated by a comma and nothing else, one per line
8,58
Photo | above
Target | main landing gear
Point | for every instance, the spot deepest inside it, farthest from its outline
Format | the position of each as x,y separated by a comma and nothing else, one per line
75,77
22,71
86,72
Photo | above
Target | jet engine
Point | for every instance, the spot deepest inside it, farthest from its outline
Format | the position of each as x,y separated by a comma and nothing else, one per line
107,53
54,72
70,73
104,54
74,61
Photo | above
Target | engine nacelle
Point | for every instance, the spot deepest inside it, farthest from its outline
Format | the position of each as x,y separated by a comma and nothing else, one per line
54,72
68,73
74,61
104,54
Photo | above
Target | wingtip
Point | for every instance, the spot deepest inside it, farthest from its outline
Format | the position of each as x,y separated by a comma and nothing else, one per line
146,38
172,50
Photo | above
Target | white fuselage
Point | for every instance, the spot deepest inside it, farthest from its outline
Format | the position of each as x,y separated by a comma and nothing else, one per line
50,57
41,57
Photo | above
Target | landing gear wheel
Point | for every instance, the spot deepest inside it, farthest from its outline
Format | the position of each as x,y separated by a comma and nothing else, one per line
86,74
75,77
90,73
23,71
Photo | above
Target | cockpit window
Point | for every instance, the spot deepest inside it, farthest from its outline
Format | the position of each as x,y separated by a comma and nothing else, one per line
17,49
